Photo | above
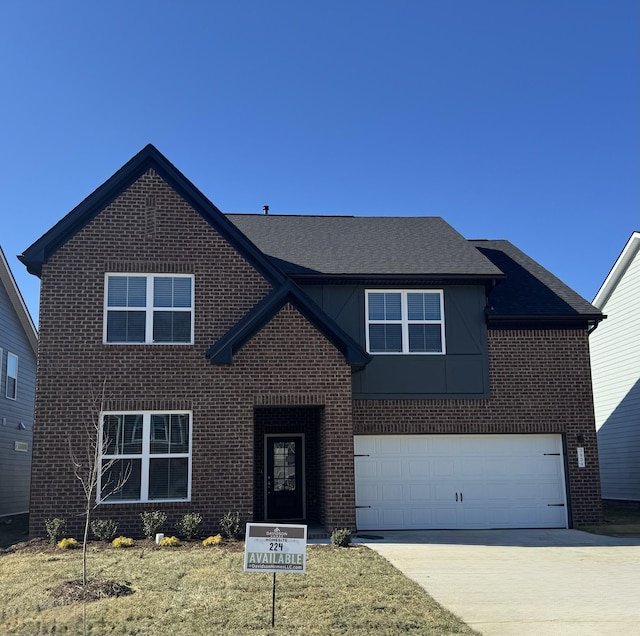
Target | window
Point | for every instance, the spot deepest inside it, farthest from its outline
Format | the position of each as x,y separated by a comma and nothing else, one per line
410,321
145,457
148,309
12,376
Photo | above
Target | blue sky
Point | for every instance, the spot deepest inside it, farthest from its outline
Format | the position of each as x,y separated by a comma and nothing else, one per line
514,119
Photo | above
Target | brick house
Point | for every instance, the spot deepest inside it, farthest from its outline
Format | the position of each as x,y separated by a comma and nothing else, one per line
374,373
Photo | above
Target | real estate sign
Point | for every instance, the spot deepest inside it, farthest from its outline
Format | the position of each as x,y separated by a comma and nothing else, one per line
275,548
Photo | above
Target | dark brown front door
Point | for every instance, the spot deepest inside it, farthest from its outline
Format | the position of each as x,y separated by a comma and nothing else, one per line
284,478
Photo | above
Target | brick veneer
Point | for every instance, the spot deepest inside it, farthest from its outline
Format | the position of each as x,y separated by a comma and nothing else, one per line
539,379
540,383
149,228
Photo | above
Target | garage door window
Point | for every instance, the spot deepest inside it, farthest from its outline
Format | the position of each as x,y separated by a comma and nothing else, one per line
405,321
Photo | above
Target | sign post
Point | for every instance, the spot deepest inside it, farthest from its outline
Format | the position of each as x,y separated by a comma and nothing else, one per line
275,548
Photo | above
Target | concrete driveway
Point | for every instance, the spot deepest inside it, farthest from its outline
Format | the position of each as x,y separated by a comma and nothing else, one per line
523,582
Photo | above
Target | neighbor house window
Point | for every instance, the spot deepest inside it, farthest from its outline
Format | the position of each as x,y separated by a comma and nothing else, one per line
145,457
12,376
148,309
405,321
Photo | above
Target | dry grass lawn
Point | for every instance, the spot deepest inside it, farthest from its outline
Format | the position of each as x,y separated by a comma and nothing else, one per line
195,590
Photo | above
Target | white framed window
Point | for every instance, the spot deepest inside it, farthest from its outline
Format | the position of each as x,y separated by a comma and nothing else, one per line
11,390
407,321
145,456
148,309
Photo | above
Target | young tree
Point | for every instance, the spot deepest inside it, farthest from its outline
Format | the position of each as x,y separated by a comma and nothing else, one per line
89,467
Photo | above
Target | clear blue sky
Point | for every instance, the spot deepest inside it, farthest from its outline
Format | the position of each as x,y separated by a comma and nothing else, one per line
515,119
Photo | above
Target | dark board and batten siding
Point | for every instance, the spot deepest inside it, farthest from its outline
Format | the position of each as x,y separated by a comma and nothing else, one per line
461,373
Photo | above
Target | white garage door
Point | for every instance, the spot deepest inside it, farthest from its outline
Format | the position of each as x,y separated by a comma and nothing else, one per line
459,481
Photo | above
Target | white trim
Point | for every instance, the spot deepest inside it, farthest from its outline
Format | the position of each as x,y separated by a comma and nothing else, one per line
149,308
145,456
10,376
405,322
617,271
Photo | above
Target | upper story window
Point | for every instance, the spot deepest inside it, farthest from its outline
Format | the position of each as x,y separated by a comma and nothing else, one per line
405,321
148,309
12,376
145,457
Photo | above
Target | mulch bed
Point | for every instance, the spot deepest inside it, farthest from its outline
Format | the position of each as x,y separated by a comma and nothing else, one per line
73,591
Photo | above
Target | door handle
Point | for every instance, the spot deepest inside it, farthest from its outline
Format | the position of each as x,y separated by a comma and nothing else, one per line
460,496
456,496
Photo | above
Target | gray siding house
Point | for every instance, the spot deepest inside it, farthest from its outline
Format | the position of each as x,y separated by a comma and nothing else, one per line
18,352
615,362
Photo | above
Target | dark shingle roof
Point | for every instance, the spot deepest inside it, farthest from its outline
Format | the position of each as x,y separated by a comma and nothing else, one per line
347,245
529,289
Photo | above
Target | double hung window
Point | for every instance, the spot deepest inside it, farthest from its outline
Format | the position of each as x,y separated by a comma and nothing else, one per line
145,457
148,309
11,388
405,321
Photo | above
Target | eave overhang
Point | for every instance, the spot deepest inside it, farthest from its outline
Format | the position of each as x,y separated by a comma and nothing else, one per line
148,158
538,321
222,352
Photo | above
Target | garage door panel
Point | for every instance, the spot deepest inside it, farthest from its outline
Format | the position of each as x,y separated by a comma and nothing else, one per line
502,481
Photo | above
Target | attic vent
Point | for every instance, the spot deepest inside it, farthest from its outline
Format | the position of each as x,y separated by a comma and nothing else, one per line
150,201
21,446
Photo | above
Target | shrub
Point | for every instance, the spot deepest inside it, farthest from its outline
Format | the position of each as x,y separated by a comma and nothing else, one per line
122,542
171,542
55,529
152,522
104,529
68,544
190,525
217,540
231,526
341,537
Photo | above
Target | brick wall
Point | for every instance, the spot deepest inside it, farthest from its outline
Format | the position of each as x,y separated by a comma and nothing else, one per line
149,228
540,383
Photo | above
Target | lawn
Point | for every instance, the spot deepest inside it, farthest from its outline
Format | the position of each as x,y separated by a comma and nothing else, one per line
196,590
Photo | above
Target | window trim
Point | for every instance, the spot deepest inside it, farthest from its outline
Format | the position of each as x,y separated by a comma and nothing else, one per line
405,322
145,457
149,308
11,377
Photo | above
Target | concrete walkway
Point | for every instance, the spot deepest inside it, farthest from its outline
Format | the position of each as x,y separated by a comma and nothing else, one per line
524,582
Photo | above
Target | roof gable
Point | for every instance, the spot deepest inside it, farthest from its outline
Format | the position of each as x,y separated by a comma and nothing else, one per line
620,267
222,352
148,158
15,297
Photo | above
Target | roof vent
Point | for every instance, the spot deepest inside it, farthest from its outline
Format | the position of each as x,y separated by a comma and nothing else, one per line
265,209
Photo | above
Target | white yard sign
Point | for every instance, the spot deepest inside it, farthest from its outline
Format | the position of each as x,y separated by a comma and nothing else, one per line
275,548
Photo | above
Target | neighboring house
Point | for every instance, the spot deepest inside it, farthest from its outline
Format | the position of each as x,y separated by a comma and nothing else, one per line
370,373
18,352
615,363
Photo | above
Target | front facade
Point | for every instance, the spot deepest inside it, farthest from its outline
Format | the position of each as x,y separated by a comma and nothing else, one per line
18,349
336,371
615,360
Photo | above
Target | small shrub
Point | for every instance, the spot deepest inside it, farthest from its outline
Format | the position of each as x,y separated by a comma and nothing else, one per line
231,526
341,537
190,525
217,540
55,529
171,542
122,542
152,522
68,544
104,529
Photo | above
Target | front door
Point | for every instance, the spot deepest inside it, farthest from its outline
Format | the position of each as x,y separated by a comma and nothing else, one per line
284,478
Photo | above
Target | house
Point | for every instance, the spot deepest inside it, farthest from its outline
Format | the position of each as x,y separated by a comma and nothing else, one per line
615,363
18,353
370,373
